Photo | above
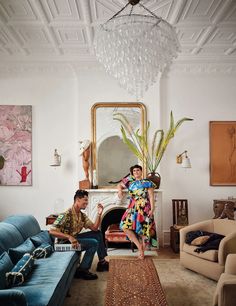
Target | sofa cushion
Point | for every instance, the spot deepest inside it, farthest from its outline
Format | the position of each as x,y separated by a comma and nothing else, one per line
43,251
5,266
200,240
10,237
211,255
20,271
56,272
42,237
27,225
17,253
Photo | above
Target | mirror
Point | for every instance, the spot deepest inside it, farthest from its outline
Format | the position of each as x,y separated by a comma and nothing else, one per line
111,158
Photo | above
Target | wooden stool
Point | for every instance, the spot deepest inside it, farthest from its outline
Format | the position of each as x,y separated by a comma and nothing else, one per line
116,235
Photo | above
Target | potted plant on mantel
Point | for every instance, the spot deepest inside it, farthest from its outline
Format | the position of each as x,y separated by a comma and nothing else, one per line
138,143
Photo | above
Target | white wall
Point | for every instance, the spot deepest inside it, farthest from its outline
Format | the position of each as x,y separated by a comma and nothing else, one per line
203,98
61,117
54,102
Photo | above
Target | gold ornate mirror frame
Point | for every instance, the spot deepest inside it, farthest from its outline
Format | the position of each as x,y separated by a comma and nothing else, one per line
104,127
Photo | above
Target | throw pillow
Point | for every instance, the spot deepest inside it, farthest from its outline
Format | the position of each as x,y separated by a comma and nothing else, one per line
16,253
190,236
200,240
5,266
43,251
42,237
20,271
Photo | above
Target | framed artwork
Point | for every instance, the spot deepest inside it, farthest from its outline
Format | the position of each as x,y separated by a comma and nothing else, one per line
223,153
15,145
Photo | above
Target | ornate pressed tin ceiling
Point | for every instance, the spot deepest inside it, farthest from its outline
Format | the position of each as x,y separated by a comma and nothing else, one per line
58,34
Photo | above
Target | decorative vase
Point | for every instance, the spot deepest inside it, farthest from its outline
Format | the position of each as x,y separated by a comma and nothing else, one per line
155,178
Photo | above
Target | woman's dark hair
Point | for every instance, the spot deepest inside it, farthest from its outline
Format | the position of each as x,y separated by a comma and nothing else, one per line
80,194
135,167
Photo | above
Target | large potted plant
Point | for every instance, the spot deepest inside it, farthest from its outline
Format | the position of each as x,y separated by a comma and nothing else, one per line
137,141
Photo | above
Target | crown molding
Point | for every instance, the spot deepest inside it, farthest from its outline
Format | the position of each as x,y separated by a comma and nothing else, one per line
204,68
72,69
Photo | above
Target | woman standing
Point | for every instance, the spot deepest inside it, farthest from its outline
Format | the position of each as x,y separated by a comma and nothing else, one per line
138,218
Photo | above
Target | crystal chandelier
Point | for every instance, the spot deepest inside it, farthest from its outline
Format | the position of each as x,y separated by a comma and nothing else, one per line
135,47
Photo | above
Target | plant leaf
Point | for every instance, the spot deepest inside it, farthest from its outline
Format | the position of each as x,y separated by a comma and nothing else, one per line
131,145
138,142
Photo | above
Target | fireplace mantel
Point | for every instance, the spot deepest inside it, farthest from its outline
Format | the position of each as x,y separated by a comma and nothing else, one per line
109,199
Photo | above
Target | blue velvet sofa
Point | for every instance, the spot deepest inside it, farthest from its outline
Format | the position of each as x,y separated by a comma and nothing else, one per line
50,278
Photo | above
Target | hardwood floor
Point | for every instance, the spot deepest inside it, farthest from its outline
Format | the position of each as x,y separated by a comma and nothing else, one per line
162,253
167,253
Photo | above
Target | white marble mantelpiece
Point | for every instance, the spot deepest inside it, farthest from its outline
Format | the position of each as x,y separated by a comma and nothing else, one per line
109,199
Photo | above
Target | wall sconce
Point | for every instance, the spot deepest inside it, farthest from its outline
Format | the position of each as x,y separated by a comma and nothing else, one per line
184,160
56,159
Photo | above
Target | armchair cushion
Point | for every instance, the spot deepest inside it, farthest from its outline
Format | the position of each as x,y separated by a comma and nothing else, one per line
211,255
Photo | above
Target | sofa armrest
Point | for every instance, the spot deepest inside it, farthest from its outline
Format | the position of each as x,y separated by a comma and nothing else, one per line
12,297
227,246
202,226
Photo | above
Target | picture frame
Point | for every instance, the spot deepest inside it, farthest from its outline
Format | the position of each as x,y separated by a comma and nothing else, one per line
15,145
106,137
222,153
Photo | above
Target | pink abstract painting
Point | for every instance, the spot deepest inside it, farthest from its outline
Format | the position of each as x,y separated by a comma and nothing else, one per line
15,145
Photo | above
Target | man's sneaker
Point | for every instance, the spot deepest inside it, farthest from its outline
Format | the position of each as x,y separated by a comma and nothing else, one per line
103,266
84,274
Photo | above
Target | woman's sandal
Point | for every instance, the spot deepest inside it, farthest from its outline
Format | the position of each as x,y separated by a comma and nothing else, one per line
141,254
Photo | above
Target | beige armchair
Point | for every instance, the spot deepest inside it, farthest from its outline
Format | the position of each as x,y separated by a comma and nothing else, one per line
212,262
225,294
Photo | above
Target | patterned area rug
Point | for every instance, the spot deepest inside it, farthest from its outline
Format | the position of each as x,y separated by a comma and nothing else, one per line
182,287
133,282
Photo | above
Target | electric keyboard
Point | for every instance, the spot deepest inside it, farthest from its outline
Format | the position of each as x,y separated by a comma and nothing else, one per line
65,247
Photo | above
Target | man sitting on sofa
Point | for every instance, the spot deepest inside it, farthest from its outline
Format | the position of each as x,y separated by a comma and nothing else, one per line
68,226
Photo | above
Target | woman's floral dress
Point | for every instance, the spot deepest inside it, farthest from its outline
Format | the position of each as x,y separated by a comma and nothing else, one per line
136,215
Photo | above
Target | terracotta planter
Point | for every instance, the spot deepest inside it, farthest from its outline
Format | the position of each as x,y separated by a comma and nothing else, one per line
155,178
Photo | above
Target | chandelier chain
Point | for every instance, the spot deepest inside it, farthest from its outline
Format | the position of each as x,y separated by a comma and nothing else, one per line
114,16
150,12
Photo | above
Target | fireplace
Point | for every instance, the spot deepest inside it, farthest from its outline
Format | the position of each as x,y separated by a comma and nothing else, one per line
113,236
114,208
111,217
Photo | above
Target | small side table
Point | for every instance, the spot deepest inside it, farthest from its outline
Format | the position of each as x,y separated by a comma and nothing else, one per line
50,219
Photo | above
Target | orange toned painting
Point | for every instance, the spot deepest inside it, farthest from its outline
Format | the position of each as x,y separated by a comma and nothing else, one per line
223,153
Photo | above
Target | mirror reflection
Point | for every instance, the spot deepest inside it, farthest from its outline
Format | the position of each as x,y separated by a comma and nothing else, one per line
111,158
